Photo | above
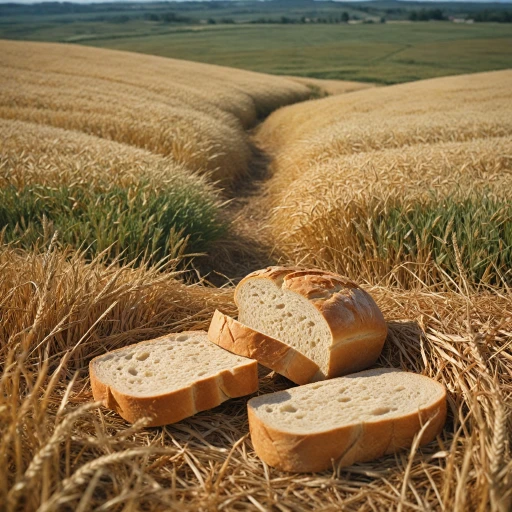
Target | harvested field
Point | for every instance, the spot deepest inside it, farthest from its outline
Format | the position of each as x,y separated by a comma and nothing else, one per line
406,188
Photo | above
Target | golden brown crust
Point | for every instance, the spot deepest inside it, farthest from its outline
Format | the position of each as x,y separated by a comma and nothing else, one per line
179,404
244,341
299,453
357,325
346,445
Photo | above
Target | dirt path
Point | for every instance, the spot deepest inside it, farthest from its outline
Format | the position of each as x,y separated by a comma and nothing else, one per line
249,245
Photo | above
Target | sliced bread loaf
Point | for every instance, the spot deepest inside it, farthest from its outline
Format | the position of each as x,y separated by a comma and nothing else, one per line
170,378
244,341
349,419
326,317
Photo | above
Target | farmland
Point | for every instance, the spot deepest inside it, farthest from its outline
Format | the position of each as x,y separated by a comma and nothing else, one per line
234,35
131,185
387,53
415,164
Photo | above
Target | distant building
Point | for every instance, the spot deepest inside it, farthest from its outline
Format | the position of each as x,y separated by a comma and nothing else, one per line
460,20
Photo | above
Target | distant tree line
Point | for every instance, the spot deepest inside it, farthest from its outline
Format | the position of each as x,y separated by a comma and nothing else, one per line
284,20
227,12
168,17
501,16
427,15
497,16
55,8
224,21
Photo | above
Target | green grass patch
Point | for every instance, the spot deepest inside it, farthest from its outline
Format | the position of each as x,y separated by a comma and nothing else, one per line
424,232
136,223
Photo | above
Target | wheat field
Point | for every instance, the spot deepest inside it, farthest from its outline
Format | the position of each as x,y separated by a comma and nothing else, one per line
196,113
442,109
326,87
117,169
364,179
42,154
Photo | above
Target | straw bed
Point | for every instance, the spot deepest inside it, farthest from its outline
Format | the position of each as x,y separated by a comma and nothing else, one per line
59,450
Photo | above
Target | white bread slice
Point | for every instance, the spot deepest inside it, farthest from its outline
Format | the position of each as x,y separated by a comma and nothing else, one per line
244,341
170,378
326,317
350,419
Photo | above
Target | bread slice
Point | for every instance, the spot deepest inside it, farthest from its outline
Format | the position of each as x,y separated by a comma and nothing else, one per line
170,378
244,341
345,420
326,317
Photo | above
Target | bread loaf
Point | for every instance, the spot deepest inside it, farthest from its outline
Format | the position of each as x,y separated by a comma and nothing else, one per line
244,341
170,378
341,421
326,317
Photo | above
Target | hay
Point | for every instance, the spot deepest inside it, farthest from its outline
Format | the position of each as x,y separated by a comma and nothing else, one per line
60,451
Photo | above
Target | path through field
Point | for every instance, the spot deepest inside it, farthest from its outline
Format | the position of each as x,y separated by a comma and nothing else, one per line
250,245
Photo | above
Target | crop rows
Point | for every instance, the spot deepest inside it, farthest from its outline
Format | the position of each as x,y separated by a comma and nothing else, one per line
173,108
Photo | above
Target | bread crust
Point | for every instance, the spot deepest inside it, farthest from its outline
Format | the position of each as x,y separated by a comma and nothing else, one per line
344,446
356,323
274,354
181,403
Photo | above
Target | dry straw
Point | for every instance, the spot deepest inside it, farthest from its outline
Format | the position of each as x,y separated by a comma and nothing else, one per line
60,451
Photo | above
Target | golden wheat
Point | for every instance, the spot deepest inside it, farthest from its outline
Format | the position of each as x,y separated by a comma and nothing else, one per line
38,154
330,87
120,119
324,206
195,112
72,304
439,110
413,171
347,161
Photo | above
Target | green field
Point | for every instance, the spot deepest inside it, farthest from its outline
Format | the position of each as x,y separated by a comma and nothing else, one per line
319,46
384,53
